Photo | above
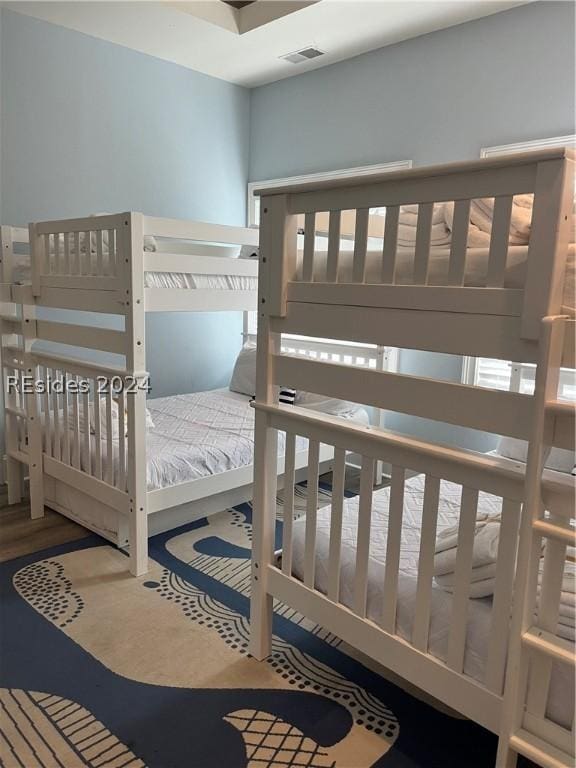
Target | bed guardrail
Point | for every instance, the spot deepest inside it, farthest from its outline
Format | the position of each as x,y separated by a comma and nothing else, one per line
448,307
83,420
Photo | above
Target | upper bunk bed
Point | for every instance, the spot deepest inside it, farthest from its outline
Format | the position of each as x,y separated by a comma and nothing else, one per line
175,265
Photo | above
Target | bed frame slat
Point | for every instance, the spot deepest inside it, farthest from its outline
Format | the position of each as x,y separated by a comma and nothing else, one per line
309,243
47,258
333,247
121,482
390,243
65,419
112,252
48,432
99,254
499,241
457,266
462,576
56,418
421,626
504,585
75,426
288,518
97,433
363,538
85,254
86,430
337,508
76,268
360,245
311,514
109,433
67,253
423,236
393,546
56,257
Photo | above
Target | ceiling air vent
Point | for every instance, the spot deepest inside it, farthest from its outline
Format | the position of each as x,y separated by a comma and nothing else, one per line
297,57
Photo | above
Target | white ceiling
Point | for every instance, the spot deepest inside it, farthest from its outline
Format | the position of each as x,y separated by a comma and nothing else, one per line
181,33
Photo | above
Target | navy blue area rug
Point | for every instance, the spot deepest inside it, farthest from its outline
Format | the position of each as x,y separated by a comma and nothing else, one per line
100,669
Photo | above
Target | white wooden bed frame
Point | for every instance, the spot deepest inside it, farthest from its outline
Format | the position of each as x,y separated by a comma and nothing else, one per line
73,280
522,325
12,361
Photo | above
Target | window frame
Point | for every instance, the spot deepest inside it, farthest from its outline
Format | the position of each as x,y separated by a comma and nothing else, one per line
363,170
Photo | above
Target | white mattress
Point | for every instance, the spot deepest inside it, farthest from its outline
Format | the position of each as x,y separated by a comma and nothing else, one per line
209,282
197,435
22,274
561,701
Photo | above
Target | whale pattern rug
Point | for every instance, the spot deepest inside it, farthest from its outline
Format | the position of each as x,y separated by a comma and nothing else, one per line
102,669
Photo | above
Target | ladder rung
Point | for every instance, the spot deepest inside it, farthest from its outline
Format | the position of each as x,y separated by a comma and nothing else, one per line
550,645
539,751
555,531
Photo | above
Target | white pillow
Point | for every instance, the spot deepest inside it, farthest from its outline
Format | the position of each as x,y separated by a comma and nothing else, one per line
325,404
244,381
244,375
558,459
249,252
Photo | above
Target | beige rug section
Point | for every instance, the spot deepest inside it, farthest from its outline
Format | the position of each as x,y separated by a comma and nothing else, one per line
172,634
38,730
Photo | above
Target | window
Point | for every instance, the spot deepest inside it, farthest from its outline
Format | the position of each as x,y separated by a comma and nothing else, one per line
499,374
514,377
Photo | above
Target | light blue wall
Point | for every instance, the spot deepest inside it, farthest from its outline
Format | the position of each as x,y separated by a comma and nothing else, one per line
88,126
436,98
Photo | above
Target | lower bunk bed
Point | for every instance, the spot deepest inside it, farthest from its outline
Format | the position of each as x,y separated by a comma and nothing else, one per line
490,564
199,458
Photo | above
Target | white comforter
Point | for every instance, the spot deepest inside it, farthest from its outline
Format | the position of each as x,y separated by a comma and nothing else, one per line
561,701
475,274
194,436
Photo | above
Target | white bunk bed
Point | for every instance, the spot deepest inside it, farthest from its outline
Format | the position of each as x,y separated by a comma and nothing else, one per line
108,470
364,569
14,253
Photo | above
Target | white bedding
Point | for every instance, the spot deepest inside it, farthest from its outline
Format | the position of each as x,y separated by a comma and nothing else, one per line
197,435
561,701
196,282
475,274
22,274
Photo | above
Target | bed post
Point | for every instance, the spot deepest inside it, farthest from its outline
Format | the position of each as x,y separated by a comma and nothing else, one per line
133,263
552,226
35,459
14,474
277,256
6,254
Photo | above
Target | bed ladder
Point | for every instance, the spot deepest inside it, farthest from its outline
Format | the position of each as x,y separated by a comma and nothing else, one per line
534,645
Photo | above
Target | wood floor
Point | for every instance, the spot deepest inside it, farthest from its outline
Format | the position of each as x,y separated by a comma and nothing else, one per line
19,535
